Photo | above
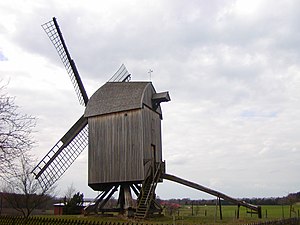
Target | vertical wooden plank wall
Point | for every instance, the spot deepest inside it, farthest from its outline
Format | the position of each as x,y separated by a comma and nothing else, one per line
152,136
115,147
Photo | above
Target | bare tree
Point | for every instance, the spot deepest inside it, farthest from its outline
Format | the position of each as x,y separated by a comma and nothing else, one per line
22,192
15,133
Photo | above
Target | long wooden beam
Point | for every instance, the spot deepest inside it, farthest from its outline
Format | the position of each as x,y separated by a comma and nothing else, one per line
212,192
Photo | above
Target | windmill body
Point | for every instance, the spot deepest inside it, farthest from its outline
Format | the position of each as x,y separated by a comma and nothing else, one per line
124,120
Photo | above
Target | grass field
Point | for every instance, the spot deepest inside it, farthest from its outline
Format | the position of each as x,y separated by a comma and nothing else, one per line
207,215
268,211
211,215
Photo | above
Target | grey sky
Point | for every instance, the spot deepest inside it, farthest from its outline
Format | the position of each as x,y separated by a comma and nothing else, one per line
231,67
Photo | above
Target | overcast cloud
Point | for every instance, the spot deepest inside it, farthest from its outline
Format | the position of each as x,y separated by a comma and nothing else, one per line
231,67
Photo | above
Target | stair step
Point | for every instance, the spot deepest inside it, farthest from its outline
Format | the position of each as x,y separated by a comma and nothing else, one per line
146,196
141,213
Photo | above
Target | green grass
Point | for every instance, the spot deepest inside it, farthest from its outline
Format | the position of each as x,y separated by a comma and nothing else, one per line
273,211
204,215
210,214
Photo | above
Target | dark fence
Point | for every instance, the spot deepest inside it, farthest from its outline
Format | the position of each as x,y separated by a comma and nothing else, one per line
289,221
13,220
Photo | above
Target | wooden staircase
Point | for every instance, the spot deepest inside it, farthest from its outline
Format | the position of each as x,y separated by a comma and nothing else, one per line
146,199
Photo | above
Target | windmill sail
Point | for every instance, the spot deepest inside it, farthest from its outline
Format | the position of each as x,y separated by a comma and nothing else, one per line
62,155
52,30
121,75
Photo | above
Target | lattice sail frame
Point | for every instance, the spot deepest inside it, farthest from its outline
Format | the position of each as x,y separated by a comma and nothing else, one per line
70,146
121,75
53,32
62,155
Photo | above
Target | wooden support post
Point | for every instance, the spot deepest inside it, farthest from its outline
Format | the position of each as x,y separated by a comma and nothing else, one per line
98,202
259,214
135,190
192,208
216,211
121,199
113,190
127,197
220,208
238,212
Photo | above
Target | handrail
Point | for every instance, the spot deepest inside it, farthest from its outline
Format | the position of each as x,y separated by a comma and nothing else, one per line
143,184
154,182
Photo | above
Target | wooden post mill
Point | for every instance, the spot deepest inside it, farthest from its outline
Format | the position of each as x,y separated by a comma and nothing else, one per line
121,126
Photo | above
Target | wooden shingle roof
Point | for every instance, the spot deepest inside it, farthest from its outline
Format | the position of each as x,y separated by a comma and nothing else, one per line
120,96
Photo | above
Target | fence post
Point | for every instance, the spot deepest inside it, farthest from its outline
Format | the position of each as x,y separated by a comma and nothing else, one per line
238,212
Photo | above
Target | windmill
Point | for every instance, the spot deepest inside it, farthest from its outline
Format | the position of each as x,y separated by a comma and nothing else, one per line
121,126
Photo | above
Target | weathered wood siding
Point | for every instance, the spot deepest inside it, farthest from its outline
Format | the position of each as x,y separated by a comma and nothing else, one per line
151,137
116,148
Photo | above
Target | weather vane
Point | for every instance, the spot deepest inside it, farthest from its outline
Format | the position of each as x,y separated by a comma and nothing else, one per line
150,72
